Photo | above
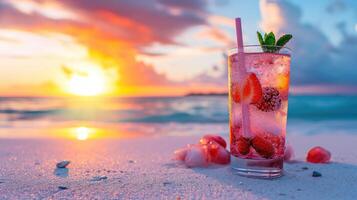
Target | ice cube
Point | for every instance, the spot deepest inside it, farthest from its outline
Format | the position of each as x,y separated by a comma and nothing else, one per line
196,156
180,154
261,122
289,153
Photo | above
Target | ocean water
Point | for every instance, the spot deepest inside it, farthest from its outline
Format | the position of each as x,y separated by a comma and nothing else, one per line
27,117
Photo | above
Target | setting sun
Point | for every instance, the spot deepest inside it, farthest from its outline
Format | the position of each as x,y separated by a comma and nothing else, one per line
86,85
87,80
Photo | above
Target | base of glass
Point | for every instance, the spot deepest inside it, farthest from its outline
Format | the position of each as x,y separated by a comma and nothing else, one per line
258,168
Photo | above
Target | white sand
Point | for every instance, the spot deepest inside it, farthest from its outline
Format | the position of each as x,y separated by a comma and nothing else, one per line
142,169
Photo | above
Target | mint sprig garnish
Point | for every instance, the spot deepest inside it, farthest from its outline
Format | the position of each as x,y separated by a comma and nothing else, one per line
283,40
270,44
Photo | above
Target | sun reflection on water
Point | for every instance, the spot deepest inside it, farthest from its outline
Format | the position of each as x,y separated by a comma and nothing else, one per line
82,133
86,131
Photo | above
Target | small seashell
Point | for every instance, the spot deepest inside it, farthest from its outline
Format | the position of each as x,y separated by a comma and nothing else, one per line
62,187
98,178
316,174
63,164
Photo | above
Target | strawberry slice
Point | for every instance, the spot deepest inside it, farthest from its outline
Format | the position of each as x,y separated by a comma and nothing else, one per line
243,145
252,91
263,147
235,92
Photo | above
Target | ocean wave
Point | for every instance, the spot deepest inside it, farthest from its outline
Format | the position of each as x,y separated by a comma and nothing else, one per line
166,110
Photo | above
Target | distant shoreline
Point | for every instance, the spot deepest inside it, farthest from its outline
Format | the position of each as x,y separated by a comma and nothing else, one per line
207,94
193,94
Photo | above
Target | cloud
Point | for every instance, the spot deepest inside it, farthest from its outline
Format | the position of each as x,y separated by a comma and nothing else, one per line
70,72
217,35
315,61
36,90
322,89
336,6
195,5
317,65
220,2
113,31
142,75
216,76
221,20
163,26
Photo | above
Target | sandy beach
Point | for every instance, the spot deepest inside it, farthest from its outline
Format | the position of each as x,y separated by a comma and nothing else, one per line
142,168
96,96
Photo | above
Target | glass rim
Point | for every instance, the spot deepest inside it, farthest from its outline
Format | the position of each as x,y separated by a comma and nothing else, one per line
233,50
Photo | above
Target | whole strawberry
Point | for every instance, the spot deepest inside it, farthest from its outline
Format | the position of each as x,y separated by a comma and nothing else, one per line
207,139
318,155
262,147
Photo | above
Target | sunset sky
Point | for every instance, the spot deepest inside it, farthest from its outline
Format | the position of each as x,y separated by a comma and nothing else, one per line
166,47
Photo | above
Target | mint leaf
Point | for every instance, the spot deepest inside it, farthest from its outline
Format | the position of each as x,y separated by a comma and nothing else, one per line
260,38
270,39
270,42
283,40
265,36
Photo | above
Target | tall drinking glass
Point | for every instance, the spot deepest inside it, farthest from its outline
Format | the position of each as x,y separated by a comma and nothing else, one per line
258,126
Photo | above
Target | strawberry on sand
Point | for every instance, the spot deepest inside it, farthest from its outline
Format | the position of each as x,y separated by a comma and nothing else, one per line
318,155
206,139
211,149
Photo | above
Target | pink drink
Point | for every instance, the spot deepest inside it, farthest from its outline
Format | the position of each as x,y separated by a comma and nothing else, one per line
261,152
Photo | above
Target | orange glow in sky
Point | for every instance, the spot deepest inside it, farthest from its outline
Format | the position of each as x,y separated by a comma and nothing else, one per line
85,52
142,48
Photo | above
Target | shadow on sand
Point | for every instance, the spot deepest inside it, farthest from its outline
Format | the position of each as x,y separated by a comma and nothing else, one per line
338,181
61,172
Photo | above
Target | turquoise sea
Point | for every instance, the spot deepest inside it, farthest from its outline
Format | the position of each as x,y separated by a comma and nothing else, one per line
24,117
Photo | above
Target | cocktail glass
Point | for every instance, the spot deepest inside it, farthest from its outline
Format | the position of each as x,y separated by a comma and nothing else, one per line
257,150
